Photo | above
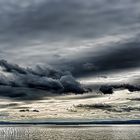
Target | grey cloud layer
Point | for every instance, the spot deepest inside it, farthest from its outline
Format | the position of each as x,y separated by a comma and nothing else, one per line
71,18
122,56
41,78
28,28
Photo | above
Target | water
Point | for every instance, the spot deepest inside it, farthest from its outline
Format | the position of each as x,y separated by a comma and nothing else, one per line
70,133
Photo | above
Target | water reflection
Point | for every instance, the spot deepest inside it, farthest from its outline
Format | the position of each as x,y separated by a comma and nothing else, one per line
70,133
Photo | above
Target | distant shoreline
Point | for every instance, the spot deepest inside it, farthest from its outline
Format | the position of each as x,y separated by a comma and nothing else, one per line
68,123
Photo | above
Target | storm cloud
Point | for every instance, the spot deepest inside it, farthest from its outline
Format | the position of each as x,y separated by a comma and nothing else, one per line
16,81
83,37
120,56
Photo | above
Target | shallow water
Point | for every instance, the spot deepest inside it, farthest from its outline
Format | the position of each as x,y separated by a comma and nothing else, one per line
70,133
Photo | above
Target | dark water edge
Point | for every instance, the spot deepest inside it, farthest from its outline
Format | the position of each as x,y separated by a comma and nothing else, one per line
73,122
51,132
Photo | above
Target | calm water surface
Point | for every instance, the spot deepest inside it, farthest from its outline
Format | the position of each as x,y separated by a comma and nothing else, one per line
70,133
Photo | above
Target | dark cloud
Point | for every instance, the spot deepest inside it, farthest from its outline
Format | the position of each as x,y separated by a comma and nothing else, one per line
84,37
75,17
19,82
70,84
12,68
122,56
89,67
108,89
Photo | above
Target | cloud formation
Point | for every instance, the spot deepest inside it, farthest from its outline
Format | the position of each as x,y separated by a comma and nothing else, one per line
120,56
41,78
83,37
108,89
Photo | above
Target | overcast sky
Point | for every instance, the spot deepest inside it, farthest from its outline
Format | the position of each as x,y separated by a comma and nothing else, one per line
83,36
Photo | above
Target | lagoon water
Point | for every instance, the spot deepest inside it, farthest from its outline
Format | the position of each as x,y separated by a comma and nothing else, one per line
116,132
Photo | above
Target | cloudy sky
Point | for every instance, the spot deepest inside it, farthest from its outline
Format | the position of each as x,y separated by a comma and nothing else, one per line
83,36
